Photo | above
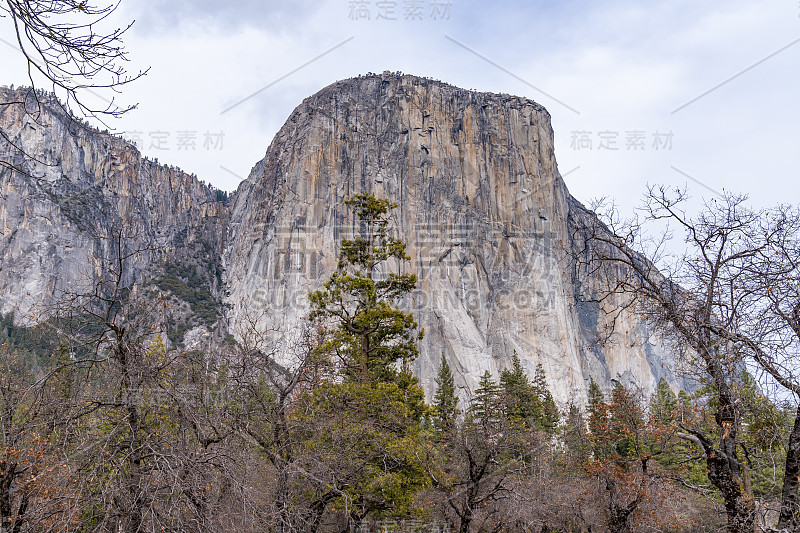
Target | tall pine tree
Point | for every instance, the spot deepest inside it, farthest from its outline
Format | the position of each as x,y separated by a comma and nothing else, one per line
371,419
549,417
445,401
486,407
521,400
369,333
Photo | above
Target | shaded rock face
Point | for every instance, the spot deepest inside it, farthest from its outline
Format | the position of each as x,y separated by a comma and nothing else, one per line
489,223
76,185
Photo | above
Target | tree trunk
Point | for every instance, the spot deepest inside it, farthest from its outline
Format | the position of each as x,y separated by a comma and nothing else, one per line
791,480
724,468
619,516
134,522
7,476
466,521
724,473
134,517
317,511
465,512
20,520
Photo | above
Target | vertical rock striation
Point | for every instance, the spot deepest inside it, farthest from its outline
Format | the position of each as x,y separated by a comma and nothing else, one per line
73,185
488,219
490,225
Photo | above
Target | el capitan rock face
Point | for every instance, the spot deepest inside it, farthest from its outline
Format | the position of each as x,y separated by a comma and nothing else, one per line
489,223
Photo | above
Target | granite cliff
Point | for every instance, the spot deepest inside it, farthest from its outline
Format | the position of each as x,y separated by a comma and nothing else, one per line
488,219
73,186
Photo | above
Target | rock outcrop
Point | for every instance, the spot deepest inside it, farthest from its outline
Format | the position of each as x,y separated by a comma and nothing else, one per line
489,223
71,187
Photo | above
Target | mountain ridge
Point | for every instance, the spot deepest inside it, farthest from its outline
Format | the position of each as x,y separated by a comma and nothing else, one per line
489,221
486,214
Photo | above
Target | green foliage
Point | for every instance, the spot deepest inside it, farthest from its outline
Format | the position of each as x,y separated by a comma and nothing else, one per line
685,407
369,334
361,449
549,417
575,438
626,423
370,422
188,283
761,437
62,380
372,434
34,345
597,409
176,331
487,407
533,402
621,432
183,282
445,401
664,403
665,412
764,435
522,401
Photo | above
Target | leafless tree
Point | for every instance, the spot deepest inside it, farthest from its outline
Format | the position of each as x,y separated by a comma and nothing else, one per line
67,52
61,44
150,447
761,295
481,471
730,297
270,373
25,475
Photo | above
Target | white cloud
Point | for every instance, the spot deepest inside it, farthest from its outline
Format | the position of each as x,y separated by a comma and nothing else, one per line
624,65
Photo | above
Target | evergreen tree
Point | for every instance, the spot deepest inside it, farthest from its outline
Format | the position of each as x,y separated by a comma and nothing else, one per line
574,437
445,401
549,417
484,463
597,410
626,423
371,420
370,334
521,400
765,432
623,445
487,407
664,403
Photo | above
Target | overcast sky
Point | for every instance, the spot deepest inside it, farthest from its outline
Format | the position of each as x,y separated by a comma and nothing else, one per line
697,93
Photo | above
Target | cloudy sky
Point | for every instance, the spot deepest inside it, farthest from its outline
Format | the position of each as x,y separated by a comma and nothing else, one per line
703,94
